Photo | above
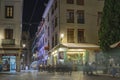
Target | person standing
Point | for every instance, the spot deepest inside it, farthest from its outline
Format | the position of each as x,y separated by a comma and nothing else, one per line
86,68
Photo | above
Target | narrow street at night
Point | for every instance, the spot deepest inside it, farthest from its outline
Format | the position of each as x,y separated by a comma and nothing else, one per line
34,75
59,40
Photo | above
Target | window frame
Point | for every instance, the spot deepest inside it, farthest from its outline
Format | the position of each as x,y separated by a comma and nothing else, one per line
99,16
80,16
80,2
70,1
70,16
9,11
80,38
70,35
8,33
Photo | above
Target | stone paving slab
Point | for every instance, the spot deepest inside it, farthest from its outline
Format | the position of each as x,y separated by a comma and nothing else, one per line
34,75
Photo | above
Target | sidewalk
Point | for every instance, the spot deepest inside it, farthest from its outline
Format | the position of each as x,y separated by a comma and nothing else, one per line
15,72
74,73
10,73
99,73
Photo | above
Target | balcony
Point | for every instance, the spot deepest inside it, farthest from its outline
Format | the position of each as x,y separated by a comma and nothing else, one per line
8,42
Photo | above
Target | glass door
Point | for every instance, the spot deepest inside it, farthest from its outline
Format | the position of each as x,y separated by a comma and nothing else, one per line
12,63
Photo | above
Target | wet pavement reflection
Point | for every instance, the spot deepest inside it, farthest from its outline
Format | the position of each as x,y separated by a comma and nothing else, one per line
35,75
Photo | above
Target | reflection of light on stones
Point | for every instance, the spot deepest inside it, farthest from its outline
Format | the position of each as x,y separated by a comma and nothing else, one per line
34,74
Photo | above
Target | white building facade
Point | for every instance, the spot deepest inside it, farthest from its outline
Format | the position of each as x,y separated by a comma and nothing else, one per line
72,30
10,34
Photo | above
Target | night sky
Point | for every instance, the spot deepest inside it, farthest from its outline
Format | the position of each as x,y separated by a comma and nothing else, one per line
32,14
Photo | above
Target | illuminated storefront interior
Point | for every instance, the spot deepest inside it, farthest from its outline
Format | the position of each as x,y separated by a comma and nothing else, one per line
9,63
75,54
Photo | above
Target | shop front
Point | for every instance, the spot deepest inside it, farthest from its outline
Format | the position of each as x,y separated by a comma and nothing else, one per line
10,58
76,54
9,63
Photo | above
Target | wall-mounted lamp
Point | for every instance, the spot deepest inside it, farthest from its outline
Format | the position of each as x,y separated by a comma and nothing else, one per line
23,45
61,37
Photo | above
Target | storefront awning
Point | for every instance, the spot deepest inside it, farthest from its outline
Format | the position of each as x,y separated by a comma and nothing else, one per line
117,44
76,46
81,45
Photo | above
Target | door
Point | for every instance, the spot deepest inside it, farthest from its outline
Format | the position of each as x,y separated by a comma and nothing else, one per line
12,63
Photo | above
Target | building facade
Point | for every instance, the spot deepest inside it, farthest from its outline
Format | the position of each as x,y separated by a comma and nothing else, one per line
70,31
10,34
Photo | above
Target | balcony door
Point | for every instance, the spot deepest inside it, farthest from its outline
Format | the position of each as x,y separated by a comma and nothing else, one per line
8,33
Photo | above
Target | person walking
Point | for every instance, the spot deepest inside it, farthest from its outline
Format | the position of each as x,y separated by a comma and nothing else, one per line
114,70
86,68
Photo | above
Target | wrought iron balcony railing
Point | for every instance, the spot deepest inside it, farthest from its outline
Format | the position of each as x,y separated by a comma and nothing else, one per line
8,42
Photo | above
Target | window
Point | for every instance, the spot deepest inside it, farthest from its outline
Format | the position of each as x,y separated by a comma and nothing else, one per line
70,16
80,2
43,41
70,1
70,35
99,18
52,10
8,11
81,35
8,33
52,42
48,45
48,17
48,31
56,39
55,4
56,22
53,25
80,17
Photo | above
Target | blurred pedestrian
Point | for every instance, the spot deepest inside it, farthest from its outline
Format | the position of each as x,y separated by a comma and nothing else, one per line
86,68
114,70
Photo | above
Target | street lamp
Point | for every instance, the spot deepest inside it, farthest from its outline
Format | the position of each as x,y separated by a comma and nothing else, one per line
23,55
23,45
34,56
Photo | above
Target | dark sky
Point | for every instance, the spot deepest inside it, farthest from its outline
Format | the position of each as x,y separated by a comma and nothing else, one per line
32,13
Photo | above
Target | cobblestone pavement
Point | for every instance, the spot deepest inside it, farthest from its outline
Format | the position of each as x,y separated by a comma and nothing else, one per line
53,76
